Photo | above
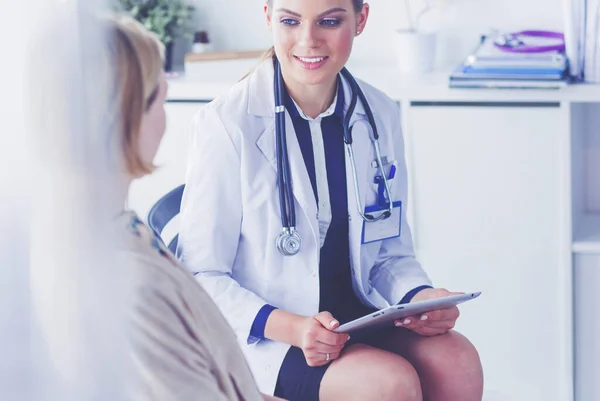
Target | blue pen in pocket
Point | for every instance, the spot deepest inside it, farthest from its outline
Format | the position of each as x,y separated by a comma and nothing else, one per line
381,198
392,172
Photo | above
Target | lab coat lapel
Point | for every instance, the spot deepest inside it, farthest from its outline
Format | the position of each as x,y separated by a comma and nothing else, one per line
301,185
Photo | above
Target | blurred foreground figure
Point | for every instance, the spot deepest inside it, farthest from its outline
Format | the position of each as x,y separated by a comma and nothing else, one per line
63,294
183,348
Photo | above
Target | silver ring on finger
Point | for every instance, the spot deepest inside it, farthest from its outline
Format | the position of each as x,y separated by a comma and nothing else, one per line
327,357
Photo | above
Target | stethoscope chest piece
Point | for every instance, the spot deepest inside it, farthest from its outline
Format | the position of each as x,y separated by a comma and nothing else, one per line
289,242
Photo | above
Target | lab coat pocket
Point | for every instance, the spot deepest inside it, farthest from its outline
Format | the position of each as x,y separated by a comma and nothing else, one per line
388,227
378,194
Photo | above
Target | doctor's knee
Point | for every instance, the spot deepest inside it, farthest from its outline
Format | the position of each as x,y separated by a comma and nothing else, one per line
401,383
370,373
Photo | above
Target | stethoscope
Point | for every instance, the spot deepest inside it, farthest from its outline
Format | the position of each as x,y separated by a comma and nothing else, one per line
513,42
289,241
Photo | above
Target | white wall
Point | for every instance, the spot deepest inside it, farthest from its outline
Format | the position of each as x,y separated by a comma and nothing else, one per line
592,156
239,24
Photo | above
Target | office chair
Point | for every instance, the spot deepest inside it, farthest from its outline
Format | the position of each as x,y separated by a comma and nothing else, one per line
163,211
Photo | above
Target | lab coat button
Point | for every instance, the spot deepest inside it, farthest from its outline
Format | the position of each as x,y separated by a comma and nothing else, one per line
313,273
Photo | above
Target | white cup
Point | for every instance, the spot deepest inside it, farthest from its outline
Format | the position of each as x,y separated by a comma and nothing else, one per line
415,51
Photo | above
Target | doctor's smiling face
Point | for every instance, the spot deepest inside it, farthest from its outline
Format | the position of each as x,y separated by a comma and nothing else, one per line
313,38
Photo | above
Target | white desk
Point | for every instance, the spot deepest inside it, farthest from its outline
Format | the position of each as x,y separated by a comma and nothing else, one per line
209,82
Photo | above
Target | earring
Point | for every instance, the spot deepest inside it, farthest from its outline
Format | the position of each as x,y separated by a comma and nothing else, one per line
358,32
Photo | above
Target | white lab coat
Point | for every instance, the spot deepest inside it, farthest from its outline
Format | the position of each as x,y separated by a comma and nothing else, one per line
230,215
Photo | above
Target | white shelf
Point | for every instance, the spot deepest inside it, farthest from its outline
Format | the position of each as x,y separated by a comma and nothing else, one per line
587,238
204,83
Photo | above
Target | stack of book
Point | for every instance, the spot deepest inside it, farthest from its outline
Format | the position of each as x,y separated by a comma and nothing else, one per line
491,67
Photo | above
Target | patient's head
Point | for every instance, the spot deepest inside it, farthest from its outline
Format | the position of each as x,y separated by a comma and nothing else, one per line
140,92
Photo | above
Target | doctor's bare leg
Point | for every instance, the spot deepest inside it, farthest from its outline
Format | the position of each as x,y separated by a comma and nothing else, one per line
448,365
365,373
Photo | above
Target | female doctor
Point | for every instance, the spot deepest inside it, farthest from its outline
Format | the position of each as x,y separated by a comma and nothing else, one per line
287,222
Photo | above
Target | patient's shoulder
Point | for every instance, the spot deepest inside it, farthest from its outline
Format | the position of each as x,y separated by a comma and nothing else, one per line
179,334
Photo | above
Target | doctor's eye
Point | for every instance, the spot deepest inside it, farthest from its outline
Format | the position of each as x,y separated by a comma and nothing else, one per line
330,22
289,21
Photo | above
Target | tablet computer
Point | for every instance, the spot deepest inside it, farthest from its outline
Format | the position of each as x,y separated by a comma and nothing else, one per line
387,316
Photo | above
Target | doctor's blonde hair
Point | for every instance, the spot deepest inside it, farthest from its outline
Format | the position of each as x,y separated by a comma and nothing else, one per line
138,57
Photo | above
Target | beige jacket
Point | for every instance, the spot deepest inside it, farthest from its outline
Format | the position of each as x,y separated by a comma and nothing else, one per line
184,349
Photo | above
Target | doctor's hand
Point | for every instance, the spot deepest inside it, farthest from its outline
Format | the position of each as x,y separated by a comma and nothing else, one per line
435,322
318,343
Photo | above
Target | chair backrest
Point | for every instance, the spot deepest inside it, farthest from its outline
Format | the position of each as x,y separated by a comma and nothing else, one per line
163,211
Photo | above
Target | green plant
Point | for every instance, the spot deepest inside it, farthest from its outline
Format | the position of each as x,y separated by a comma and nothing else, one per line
169,19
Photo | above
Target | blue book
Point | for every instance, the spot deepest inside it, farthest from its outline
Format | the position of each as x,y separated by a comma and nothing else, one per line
508,84
513,70
508,73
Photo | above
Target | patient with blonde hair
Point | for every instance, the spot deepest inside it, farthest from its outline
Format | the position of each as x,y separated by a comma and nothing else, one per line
182,346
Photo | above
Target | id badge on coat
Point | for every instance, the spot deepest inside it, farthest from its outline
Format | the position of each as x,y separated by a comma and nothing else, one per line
383,229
